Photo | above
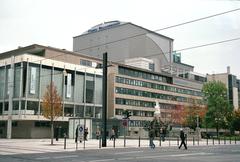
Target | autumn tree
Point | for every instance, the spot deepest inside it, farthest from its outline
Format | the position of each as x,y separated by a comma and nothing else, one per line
215,95
52,105
177,115
194,114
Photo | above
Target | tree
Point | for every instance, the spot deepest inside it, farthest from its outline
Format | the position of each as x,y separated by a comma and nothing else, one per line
193,114
236,120
215,95
177,115
52,105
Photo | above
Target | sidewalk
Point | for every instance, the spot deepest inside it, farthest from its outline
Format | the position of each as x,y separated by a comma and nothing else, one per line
30,146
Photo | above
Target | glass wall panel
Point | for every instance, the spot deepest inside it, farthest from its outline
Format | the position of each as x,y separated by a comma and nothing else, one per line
15,105
89,89
17,73
79,111
89,111
68,110
98,90
98,112
58,80
32,108
79,88
45,79
2,82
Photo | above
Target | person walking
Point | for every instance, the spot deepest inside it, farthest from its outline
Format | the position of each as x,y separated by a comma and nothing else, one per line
183,137
85,134
112,134
151,137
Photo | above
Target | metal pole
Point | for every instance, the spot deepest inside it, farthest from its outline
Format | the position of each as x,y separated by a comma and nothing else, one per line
65,141
104,102
139,141
124,136
51,98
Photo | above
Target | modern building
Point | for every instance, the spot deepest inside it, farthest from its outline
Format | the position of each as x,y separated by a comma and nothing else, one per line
125,40
28,70
232,85
25,74
137,90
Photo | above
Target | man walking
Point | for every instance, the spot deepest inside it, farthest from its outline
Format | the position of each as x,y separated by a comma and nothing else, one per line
151,137
183,137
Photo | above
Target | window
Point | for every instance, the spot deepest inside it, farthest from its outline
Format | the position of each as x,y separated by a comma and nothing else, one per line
86,63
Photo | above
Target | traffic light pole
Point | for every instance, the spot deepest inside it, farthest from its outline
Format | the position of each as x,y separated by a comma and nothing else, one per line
104,102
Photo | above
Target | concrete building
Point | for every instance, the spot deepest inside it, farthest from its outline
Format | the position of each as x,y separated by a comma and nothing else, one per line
125,40
79,83
232,85
25,74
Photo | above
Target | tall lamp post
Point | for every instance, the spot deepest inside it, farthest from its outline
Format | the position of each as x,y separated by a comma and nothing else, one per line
104,100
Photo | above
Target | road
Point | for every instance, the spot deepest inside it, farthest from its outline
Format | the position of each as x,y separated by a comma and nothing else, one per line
222,153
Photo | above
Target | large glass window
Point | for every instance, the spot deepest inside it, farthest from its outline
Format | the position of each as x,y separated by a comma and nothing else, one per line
32,108
89,111
98,112
79,88
79,111
2,81
89,89
68,111
98,90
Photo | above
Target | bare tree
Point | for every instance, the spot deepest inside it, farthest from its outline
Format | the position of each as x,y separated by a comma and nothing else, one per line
52,105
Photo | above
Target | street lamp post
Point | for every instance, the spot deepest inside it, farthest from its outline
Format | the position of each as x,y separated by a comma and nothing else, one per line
104,100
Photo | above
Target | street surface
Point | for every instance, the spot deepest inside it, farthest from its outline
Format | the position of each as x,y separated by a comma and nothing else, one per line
214,153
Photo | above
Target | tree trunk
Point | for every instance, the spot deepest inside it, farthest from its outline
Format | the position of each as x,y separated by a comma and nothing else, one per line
51,132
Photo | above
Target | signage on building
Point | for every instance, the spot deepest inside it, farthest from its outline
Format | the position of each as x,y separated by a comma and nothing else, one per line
69,80
33,80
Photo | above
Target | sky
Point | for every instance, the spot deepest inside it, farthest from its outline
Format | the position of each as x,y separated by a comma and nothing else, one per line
55,23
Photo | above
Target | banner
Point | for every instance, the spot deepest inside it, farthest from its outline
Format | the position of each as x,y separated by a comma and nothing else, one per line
69,88
33,80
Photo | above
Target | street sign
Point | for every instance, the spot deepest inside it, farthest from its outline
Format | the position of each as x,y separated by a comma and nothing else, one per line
80,132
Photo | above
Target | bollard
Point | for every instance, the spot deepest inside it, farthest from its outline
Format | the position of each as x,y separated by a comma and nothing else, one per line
178,141
213,140
100,141
114,139
207,141
219,140
65,140
169,144
186,141
230,140
224,140
139,141
160,141
193,141
235,141
76,145
198,141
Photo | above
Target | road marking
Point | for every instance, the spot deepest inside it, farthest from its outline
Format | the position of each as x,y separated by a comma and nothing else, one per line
102,160
57,157
129,152
67,156
192,154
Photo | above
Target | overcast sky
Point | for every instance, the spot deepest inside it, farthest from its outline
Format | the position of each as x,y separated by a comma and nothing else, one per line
55,22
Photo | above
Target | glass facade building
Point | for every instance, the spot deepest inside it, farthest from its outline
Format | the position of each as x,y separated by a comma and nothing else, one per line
80,87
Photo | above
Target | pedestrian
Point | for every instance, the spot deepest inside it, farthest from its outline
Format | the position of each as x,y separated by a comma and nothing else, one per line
112,137
76,135
85,134
183,138
97,134
151,135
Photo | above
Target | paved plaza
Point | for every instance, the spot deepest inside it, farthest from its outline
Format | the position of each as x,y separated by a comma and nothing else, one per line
32,146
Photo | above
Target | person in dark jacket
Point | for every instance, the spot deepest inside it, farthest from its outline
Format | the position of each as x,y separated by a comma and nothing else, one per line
151,137
183,137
